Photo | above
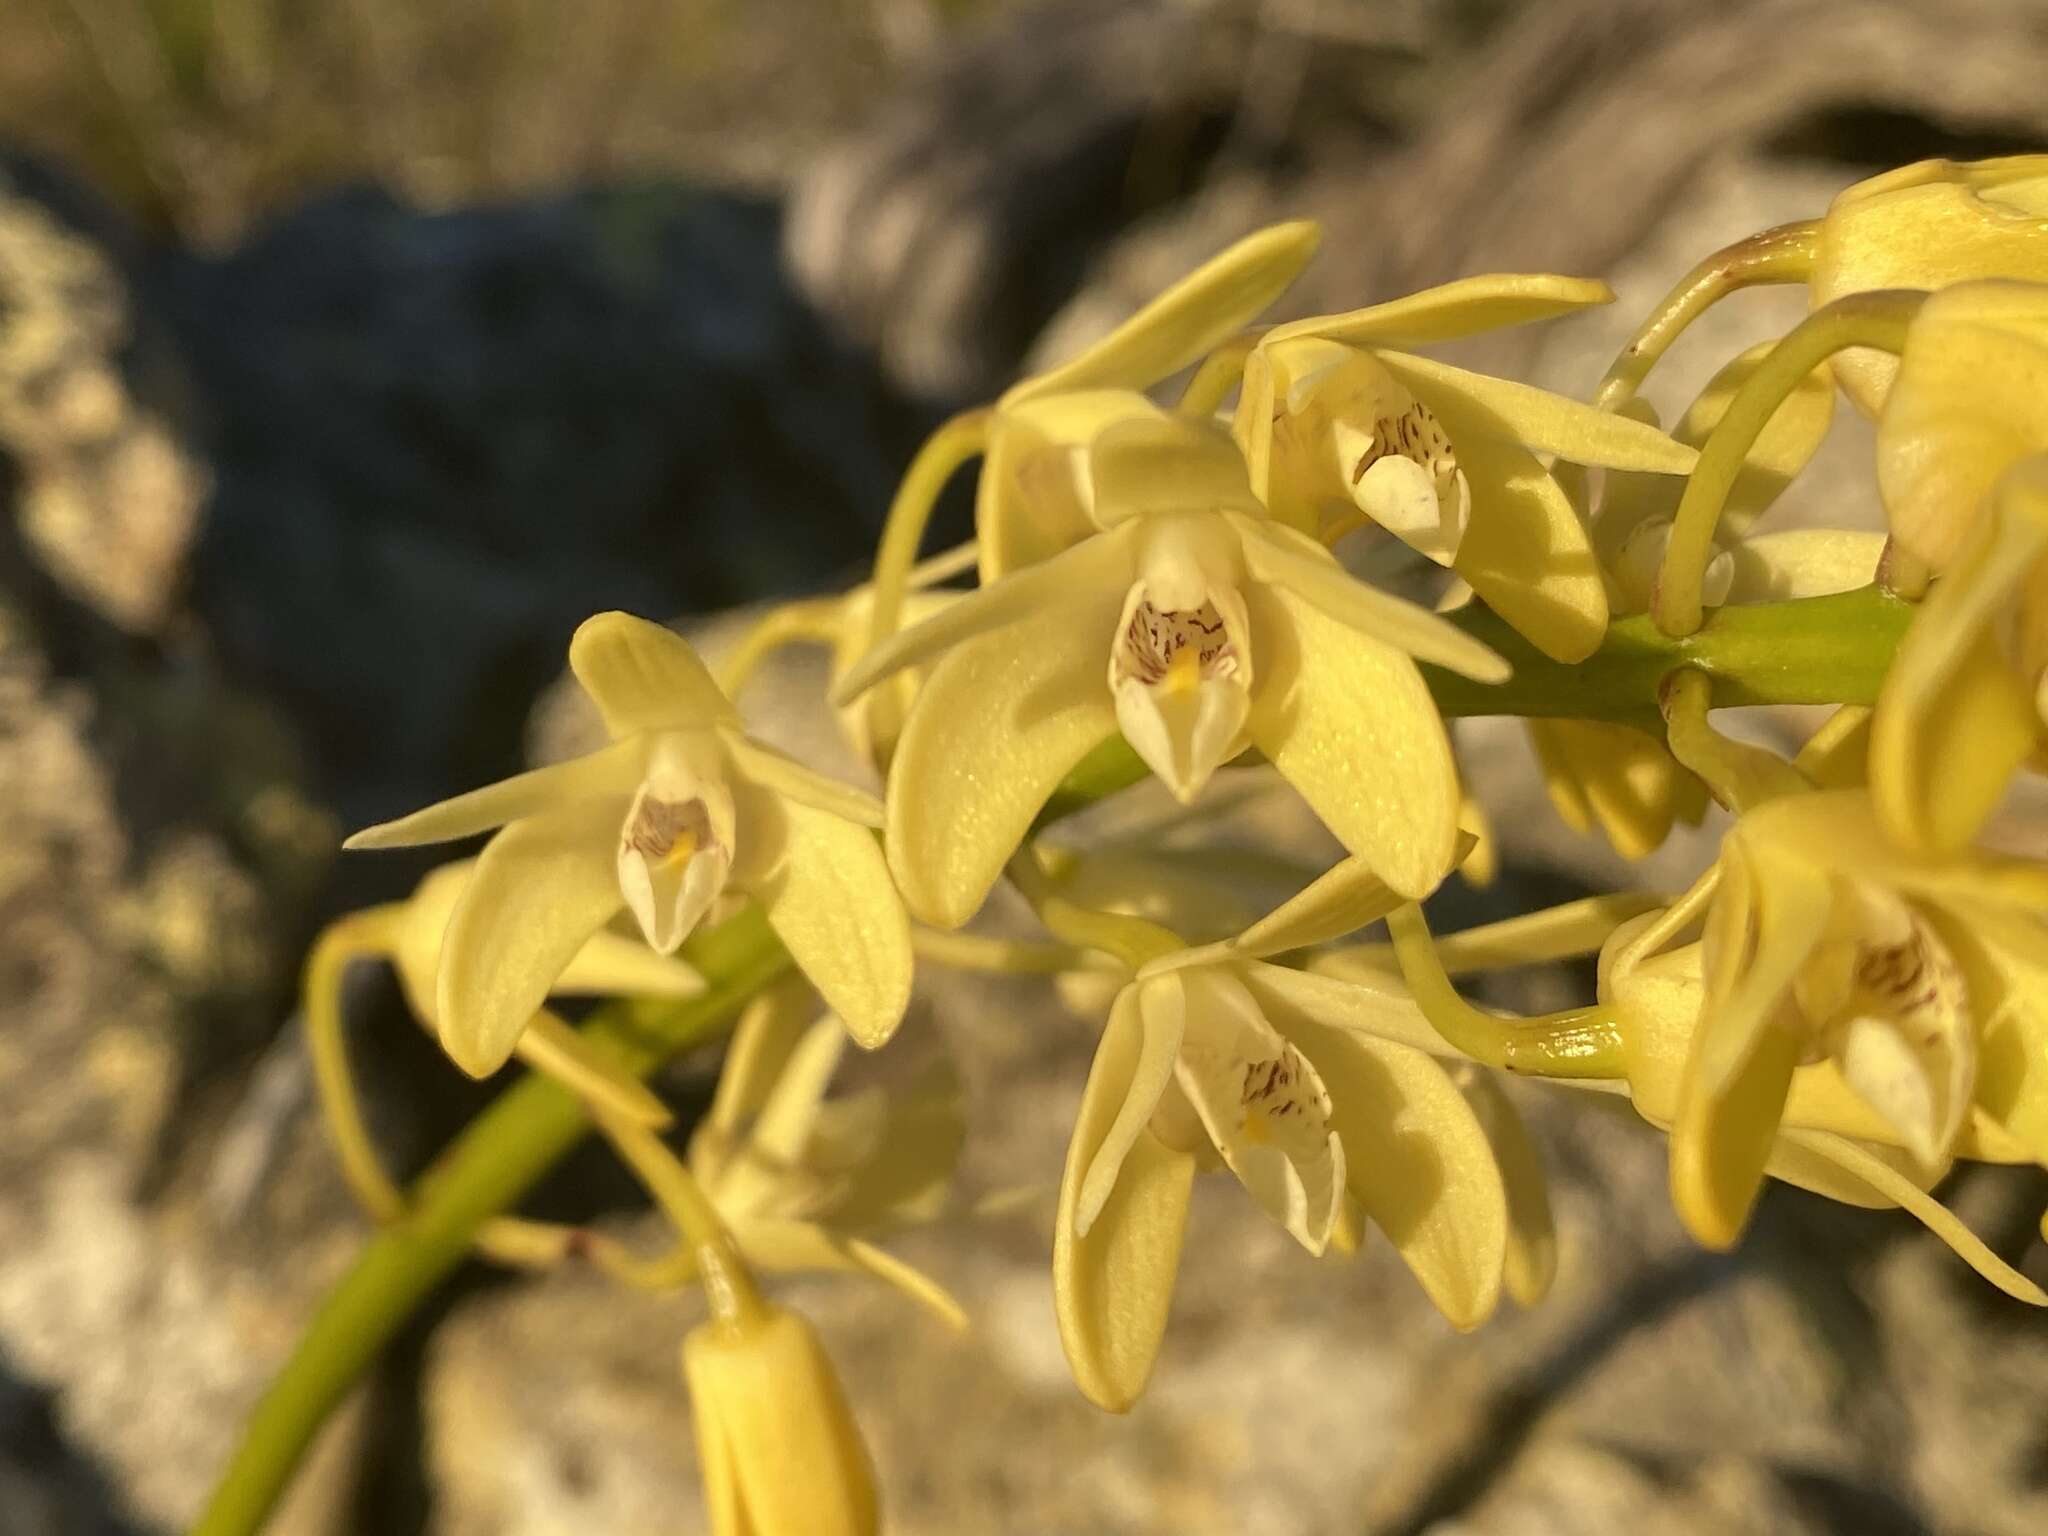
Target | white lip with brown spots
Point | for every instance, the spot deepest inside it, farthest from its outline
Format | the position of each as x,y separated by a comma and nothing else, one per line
676,845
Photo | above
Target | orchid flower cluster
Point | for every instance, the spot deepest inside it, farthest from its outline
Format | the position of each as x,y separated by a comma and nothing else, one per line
1852,998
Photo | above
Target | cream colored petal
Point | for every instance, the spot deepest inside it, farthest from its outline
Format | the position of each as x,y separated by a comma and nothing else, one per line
1197,314
1462,308
1624,778
782,1128
1262,1104
1357,1000
778,1246
542,887
768,1029
1350,724
614,965
999,723
1403,497
1282,558
1340,901
1803,562
1036,497
1167,463
609,771
1472,404
643,677
792,780
1112,1289
1954,720
1786,445
1887,1181
1421,1165
1157,1012
1792,901
1920,1085
1531,1263
1075,579
832,904
1526,551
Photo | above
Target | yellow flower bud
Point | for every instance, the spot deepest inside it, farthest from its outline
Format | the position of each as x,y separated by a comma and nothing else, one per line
781,1453
1927,226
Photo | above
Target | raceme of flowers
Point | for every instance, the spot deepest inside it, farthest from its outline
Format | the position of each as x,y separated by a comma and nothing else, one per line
1166,583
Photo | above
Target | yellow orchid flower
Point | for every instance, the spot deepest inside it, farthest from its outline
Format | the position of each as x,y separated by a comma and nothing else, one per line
1341,427
1826,1138
781,1453
1921,226
1306,1087
805,1182
1197,627
1824,941
677,810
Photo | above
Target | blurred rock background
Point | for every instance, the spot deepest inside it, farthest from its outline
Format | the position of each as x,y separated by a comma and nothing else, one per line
350,354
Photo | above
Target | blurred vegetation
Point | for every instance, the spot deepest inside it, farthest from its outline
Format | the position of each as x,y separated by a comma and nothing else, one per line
201,114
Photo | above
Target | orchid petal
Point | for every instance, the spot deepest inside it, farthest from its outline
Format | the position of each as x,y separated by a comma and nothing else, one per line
1112,1289
1167,463
609,771
1342,900
1161,1008
1036,496
1283,558
1479,404
1265,1109
793,781
1421,1165
1803,562
1194,316
615,965
767,1032
1465,307
1348,721
834,907
998,724
1101,565
643,677
1784,447
1954,720
542,887
1357,1001
1531,1262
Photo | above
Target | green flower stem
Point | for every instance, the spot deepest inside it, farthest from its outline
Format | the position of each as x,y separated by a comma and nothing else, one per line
486,1170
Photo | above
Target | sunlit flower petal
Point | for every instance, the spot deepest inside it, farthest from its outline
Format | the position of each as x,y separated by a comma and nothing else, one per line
1381,778
541,888
1112,1287
832,903
999,723
1191,318
1530,1264
1536,418
607,771
1465,307
643,677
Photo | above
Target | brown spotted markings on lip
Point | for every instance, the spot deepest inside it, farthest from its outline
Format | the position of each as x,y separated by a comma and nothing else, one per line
1267,1080
660,824
1415,434
1911,976
1157,635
